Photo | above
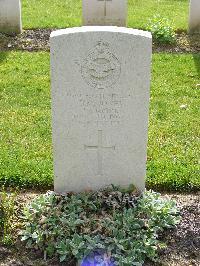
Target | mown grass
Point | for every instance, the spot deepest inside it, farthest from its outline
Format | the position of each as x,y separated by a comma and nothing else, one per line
173,150
140,11
25,155
25,121
68,13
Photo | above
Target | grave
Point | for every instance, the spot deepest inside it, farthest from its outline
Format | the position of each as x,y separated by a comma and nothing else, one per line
104,12
100,80
10,16
194,18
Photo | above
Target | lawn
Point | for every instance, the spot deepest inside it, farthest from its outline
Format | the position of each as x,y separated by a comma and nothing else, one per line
25,121
67,13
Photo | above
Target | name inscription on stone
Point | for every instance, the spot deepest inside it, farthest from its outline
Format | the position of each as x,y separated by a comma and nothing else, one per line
99,108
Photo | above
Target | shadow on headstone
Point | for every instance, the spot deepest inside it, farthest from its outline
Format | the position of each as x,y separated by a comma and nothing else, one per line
194,17
10,16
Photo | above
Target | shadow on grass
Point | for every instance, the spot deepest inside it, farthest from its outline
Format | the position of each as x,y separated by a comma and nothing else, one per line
4,41
3,56
194,40
196,58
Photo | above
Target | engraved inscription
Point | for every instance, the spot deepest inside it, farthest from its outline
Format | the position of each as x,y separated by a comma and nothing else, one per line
99,148
99,108
101,68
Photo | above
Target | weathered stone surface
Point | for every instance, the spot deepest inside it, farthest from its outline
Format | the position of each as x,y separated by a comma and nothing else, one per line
100,101
10,16
104,12
194,18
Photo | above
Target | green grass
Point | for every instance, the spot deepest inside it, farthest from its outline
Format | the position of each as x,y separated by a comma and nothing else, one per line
25,133
140,11
68,13
25,121
51,13
173,150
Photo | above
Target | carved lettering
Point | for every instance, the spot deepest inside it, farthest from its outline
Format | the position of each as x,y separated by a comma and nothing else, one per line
98,107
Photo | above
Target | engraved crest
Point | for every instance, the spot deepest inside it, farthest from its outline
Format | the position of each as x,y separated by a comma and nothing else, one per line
101,68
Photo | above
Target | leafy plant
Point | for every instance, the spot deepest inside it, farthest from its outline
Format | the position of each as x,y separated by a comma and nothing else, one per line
121,227
161,29
7,212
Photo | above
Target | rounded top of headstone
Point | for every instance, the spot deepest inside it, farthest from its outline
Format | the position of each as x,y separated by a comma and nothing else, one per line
115,29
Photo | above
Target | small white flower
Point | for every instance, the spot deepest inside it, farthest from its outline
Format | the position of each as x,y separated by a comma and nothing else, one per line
198,86
183,106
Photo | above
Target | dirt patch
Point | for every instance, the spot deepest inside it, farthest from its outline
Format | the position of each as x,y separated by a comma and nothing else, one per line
183,242
184,44
28,40
38,40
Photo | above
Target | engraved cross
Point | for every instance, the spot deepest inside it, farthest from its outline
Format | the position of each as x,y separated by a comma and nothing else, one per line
105,6
99,148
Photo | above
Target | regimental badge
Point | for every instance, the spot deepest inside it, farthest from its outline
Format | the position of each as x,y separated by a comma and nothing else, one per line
101,68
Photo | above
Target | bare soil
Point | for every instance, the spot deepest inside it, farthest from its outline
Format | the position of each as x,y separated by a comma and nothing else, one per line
38,40
183,242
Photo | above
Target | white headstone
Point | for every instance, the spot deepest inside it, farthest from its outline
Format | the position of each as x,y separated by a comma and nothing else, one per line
10,16
194,20
104,12
100,101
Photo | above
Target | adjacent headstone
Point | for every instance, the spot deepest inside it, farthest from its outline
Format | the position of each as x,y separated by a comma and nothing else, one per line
104,12
194,20
10,16
100,101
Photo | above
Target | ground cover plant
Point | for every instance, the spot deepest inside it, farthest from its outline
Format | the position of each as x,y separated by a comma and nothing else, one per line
162,30
7,212
182,242
67,13
119,227
25,121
